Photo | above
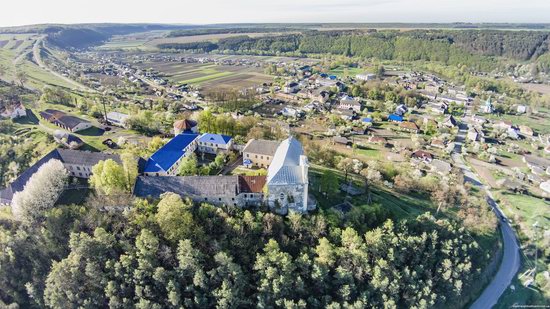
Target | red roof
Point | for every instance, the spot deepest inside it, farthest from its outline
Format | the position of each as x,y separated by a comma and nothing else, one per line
252,184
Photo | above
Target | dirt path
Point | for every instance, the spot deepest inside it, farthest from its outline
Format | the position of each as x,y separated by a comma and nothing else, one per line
38,44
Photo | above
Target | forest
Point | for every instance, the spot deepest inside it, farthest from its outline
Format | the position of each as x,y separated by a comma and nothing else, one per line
174,254
476,49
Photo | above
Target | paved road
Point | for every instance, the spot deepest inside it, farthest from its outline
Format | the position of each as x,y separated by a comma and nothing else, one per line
510,259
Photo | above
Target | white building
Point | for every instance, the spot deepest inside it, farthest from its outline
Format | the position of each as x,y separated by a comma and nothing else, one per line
287,178
14,112
117,119
365,76
214,143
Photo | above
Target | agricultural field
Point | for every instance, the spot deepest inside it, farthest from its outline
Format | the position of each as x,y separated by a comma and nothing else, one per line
211,75
148,41
538,122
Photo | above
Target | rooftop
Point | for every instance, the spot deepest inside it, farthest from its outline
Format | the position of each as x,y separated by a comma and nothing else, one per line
261,146
215,138
170,153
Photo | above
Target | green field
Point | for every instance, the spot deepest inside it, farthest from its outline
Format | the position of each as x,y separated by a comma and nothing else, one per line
343,71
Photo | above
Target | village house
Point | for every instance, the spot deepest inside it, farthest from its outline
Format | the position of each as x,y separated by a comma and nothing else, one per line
521,109
450,122
365,76
503,124
474,135
68,140
526,131
13,111
78,163
166,160
478,120
409,126
441,167
214,143
395,118
65,121
422,155
291,87
350,104
539,166
437,143
259,153
377,140
117,119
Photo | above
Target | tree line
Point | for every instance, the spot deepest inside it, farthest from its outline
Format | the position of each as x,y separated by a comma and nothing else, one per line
472,48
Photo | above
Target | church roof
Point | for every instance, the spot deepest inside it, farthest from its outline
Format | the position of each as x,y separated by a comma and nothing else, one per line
285,167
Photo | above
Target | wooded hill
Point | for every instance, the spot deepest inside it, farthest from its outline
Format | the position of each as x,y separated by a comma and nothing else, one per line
452,47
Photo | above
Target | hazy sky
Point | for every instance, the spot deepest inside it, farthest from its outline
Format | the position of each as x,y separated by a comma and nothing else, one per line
22,12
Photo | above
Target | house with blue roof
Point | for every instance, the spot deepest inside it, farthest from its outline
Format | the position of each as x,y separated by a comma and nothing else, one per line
214,143
367,120
166,160
395,118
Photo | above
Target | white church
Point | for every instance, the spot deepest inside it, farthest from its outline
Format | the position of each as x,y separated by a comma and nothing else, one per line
287,179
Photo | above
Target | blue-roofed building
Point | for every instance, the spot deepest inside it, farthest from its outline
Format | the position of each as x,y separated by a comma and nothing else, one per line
367,120
214,143
395,118
166,161
332,77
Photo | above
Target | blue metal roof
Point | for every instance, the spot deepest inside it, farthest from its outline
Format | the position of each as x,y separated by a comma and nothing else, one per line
367,119
394,117
215,138
333,77
167,155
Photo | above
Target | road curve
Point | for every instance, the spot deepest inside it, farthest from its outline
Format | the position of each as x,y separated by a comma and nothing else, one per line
511,261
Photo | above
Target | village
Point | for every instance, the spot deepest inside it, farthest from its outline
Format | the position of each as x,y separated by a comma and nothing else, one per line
431,121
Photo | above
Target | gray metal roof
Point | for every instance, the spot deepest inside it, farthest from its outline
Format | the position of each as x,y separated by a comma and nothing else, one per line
66,156
285,167
192,186
261,146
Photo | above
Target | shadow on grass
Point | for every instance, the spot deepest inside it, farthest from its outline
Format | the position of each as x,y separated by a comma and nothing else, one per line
31,119
93,131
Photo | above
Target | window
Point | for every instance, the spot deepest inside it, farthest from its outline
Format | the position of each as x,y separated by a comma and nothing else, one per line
232,198
248,155
78,168
256,156
206,199
262,157
220,199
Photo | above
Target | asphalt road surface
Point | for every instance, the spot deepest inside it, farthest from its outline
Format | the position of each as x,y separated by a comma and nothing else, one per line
510,259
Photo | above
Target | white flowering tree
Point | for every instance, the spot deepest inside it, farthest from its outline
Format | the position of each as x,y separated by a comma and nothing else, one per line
41,191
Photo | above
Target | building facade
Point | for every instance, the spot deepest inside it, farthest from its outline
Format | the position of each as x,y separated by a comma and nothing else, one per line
259,153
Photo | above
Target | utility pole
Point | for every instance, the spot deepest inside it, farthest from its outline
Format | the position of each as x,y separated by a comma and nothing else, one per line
104,107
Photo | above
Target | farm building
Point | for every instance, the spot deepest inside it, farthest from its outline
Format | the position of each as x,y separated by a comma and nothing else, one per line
117,119
65,121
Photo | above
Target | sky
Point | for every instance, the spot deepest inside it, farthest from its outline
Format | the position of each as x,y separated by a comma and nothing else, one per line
25,12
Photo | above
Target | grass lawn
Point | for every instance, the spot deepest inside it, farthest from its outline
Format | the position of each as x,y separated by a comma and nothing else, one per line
525,210
342,70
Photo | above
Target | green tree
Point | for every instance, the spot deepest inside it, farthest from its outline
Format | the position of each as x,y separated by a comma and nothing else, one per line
329,183
189,166
109,177
227,282
174,218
